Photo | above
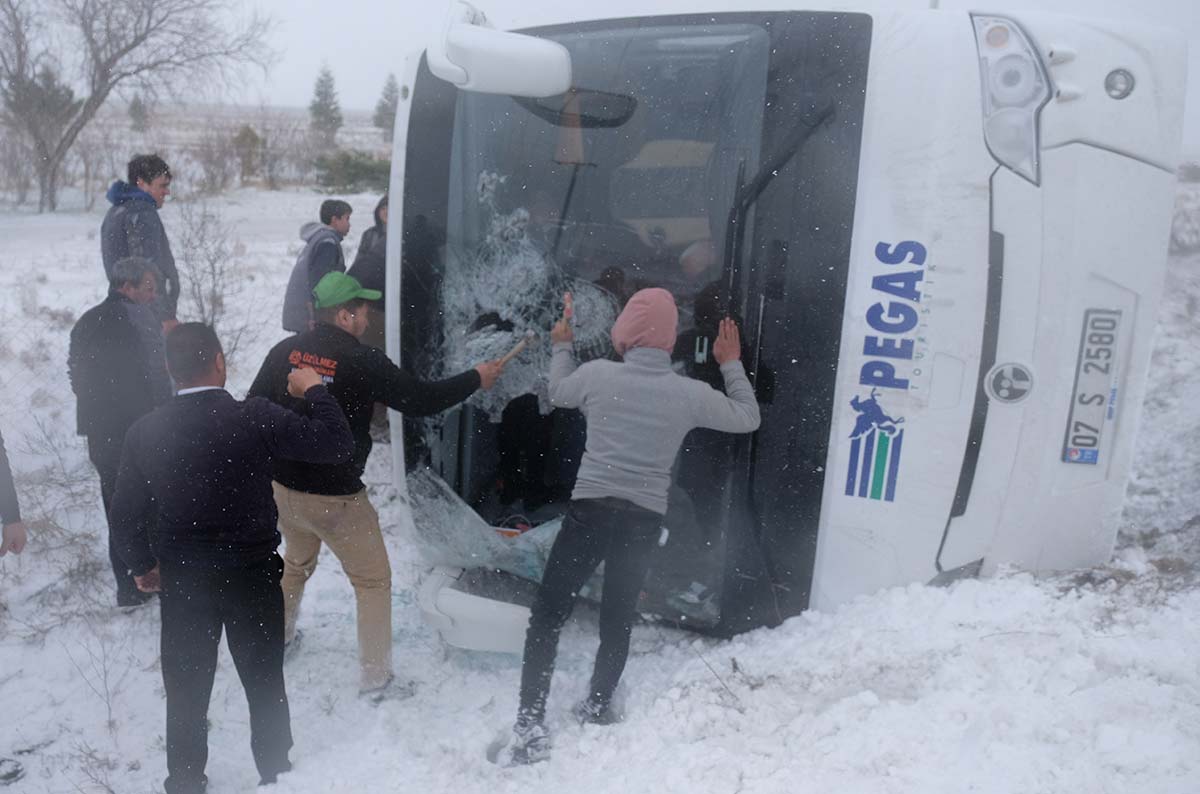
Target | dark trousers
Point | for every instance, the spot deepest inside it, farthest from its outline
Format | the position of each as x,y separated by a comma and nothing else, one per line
105,454
620,534
196,604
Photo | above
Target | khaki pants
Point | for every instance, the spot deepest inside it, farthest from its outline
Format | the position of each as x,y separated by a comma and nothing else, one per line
349,525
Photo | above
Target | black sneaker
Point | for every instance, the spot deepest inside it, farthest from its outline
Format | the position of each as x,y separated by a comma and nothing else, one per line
526,744
588,712
532,746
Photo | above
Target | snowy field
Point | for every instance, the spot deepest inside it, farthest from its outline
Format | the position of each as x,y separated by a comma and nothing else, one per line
1085,682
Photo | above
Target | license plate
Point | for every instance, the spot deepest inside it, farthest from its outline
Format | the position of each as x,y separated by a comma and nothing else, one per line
1094,401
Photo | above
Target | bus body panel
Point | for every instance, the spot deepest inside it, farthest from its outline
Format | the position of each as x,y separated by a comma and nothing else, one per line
920,251
1147,124
1056,514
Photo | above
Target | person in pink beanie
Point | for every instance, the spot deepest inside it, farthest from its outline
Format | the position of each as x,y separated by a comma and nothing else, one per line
638,411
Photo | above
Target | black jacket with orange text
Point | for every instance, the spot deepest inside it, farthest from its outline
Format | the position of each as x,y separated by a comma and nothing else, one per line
358,376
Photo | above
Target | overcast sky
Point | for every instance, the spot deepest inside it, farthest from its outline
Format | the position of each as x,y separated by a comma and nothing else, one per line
364,40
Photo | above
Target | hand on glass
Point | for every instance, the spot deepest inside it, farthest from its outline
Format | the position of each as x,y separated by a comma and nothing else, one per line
728,346
562,332
15,537
301,380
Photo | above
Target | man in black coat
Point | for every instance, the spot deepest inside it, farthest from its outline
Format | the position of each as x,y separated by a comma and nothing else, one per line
14,535
132,228
199,470
327,504
118,374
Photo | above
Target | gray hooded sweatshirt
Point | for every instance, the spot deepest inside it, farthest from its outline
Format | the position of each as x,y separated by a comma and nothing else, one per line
322,254
638,413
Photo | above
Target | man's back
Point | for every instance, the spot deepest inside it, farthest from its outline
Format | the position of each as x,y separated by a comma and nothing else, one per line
204,459
116,366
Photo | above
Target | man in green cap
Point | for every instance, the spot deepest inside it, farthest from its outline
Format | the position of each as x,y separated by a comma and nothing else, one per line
328,503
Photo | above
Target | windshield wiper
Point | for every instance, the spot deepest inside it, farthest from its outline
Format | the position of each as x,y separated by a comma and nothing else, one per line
748,193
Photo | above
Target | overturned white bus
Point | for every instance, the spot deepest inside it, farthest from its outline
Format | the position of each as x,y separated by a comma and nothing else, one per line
944,234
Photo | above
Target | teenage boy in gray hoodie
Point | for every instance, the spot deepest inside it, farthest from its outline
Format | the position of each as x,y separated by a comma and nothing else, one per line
322,254
638,412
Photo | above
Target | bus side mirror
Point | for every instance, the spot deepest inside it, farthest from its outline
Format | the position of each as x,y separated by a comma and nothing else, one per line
475,57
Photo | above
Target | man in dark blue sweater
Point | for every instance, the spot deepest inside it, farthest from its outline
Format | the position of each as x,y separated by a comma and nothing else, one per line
198,470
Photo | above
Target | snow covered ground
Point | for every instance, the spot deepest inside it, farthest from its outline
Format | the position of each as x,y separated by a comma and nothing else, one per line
1085,682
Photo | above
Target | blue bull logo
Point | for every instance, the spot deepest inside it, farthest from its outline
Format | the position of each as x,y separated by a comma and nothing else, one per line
875,447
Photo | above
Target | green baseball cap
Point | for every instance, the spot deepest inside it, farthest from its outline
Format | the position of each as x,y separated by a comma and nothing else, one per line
336,288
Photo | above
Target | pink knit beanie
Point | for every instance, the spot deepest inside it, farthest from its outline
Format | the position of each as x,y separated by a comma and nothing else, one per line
648,320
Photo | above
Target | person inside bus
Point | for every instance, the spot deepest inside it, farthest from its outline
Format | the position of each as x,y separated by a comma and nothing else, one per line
638,412
696,495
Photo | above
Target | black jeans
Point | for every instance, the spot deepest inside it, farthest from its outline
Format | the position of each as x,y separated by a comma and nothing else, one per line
196,604
105,454
620,534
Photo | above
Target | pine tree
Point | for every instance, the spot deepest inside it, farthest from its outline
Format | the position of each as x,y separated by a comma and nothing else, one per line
385,108
325,115
139,114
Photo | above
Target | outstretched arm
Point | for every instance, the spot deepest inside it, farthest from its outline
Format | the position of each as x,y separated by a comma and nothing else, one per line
412,397
566,389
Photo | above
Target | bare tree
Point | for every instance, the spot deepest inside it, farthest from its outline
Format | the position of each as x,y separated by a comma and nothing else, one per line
286,151
16,163
212,277
98,159
216,156
156,45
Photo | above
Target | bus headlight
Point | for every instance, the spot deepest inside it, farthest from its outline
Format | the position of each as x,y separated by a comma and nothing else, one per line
1015,87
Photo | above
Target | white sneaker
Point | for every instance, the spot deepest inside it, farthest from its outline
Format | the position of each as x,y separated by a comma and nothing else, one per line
392,689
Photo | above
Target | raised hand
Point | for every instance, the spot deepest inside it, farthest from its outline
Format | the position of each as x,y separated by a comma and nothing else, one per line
489,371
301,380
562,331
728,346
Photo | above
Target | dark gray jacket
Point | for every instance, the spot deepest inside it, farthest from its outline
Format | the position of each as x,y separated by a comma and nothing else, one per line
10,511
322,254
117,367
132,228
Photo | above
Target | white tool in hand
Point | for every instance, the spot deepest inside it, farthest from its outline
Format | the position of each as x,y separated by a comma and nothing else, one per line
517,348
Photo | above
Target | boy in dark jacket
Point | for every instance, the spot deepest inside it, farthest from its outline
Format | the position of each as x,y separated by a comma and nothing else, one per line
132,228
322,253
118,374
199,470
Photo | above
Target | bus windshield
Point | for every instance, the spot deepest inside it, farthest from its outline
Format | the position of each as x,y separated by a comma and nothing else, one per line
680,137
